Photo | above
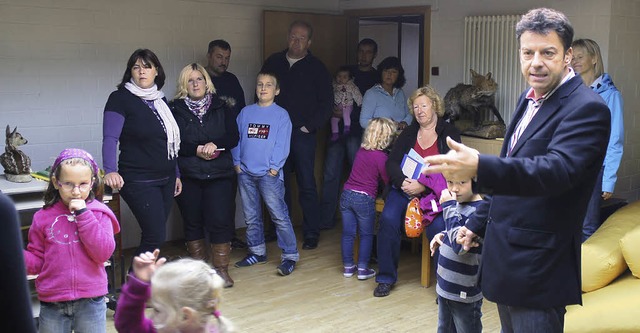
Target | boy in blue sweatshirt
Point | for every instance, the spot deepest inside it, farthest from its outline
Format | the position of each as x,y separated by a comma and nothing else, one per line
265,136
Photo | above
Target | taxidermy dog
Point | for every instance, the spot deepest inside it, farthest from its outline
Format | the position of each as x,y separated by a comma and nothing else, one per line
17,165
472,99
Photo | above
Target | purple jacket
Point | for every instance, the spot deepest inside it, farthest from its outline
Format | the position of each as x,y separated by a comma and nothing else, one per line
68,255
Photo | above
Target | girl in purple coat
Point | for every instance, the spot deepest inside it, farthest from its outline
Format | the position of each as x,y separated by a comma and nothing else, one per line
357,203
184,294
70,239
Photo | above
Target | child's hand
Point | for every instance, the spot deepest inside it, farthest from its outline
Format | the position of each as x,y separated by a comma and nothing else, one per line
446,195
145,264
436,242
76,204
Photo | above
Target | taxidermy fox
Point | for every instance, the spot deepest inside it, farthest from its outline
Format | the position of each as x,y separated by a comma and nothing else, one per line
472,99
14,161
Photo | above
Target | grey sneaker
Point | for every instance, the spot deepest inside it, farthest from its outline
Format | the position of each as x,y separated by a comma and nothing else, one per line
251,259
286,267
348,271
365,273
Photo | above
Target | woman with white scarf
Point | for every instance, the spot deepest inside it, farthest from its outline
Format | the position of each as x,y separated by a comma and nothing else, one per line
137,117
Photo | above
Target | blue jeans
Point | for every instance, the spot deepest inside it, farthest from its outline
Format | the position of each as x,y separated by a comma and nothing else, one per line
86,315
301,160
358,213
527,320
390,234
592,218
458,317
271,190
332,178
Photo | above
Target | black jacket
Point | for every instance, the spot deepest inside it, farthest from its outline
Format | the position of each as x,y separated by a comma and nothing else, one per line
407,139
218,126
306,91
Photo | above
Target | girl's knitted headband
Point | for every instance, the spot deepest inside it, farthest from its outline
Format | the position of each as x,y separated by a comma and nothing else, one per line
75,153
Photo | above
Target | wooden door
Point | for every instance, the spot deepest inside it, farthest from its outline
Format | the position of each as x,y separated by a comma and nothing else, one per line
328,43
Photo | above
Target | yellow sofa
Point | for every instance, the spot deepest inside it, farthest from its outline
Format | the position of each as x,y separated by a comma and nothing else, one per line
610,277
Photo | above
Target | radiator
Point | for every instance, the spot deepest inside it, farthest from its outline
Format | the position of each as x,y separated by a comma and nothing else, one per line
490,45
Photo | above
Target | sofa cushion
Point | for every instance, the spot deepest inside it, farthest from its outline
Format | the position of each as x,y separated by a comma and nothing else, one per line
613,308
602,259
631,250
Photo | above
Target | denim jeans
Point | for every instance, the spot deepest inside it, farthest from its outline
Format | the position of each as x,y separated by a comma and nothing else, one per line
332,178
301,160
358,213
592,218
527,320
271,190
390,234
86,315
458,317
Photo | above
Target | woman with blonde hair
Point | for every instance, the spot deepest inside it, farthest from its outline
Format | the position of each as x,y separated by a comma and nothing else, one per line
427,136
208,131
587,61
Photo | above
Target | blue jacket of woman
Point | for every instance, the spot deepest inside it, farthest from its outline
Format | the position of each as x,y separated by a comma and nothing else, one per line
607,90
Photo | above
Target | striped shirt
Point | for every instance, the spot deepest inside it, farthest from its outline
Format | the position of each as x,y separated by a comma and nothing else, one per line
457,272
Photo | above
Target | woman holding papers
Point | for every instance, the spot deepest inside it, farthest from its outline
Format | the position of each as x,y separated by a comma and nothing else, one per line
208,131
426,136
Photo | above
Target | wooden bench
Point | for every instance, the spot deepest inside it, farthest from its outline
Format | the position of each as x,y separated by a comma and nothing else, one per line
425,271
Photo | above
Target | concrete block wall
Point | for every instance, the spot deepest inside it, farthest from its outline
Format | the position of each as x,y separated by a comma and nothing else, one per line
59,60
624,68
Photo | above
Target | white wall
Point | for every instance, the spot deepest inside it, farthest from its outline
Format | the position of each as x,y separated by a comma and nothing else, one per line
59,60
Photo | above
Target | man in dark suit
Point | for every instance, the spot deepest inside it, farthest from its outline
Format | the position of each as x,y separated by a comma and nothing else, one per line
540,185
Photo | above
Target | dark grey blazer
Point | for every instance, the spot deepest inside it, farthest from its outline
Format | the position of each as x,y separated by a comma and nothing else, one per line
532,224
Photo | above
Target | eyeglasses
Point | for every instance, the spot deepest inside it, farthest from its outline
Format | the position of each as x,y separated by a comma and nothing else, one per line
84,187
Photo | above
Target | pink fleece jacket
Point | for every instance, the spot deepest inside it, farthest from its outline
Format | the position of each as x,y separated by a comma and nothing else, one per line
68,253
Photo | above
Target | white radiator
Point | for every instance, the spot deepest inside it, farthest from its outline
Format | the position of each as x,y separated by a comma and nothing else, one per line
490,45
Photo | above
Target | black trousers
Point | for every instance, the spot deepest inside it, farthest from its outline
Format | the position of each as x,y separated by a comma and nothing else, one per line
208,209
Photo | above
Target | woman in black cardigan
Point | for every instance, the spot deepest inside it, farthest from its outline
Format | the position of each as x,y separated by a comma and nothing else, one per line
208,131
427,135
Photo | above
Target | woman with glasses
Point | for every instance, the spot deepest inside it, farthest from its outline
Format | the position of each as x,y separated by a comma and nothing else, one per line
138,118
427,136
208,131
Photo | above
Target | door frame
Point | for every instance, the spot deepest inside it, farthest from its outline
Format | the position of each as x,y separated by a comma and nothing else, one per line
353,28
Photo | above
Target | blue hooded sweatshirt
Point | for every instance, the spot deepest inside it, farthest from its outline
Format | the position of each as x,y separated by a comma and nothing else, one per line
607,90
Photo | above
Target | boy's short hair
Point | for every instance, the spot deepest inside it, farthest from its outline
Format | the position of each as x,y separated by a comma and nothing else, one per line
272,74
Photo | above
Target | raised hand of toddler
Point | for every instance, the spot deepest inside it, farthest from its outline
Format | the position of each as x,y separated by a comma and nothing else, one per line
446,195
145,264
436,242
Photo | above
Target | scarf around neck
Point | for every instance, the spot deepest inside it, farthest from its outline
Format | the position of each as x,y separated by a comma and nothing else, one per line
199,107
166,119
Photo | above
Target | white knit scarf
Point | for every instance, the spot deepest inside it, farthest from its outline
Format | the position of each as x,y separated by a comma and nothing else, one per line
169,124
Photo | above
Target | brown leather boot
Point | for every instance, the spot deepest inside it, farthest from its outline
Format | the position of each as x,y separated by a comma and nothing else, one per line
197,249
220,259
